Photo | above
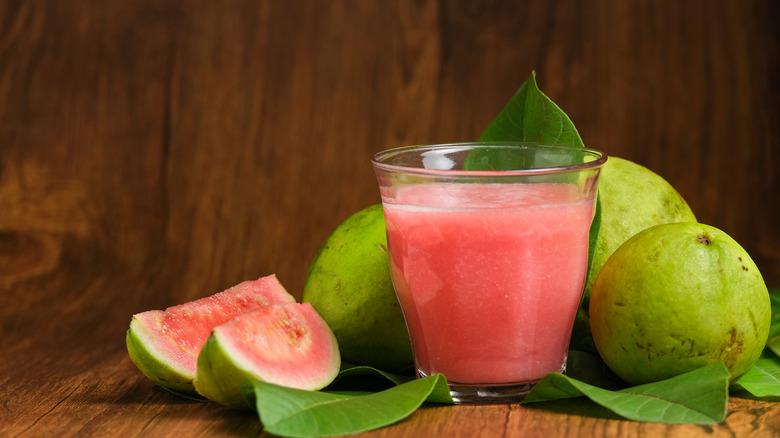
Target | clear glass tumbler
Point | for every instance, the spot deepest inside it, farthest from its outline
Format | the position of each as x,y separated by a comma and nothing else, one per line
488,248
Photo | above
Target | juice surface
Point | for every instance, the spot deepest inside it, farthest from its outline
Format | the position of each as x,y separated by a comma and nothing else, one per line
489,276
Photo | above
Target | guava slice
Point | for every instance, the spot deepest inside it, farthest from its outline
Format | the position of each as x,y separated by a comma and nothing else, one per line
288,345
164,345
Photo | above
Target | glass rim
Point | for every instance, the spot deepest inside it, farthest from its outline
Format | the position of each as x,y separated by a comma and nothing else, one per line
377,159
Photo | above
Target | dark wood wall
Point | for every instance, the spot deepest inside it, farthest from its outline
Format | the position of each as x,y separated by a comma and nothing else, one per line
153,152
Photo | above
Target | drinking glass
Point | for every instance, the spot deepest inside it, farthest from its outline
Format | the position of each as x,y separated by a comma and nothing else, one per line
488,253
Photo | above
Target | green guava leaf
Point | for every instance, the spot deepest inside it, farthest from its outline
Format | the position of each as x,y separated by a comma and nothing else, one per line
531,116
773,343
593,234
697,397
774,301
763,380
297,413
362,379
367,371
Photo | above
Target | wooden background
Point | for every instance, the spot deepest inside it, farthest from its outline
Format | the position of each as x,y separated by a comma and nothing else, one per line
153,152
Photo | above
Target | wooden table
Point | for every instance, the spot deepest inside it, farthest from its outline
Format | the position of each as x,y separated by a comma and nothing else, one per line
154,152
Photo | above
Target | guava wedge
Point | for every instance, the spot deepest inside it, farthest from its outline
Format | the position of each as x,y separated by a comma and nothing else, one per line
288,345
164,344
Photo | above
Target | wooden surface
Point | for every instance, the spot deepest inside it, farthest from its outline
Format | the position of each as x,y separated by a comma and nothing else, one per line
154,152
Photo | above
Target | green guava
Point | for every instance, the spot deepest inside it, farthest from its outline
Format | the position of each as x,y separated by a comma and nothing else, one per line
349,285
632,199
164,344
676,297
285,344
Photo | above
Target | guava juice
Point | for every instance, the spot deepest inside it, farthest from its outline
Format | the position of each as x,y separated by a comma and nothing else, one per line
489,276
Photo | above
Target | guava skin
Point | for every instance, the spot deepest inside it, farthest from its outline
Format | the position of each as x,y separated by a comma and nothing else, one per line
676,297
632,199
349,285
152,364
218,378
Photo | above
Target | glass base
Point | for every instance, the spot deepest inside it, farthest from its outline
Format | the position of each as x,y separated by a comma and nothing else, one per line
501,393
475,394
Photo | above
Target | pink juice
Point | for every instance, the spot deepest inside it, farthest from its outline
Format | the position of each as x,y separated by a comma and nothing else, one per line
489,276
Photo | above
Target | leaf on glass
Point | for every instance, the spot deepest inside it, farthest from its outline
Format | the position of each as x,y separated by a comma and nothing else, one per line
593,234
763,380
531,116
697,397
297,413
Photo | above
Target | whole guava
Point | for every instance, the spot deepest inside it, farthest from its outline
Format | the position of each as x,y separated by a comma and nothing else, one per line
350,287
632,199
676,297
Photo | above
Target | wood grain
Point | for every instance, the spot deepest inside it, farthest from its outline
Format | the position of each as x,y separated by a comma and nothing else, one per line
154,152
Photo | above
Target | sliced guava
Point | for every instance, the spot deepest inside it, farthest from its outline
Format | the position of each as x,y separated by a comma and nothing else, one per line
164,345
288,345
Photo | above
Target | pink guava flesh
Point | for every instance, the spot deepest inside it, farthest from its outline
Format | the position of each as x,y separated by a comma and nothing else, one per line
289,345
177,334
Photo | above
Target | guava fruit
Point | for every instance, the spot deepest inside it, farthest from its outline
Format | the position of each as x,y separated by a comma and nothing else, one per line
349,285
632,199
287,344
164,345
676,297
